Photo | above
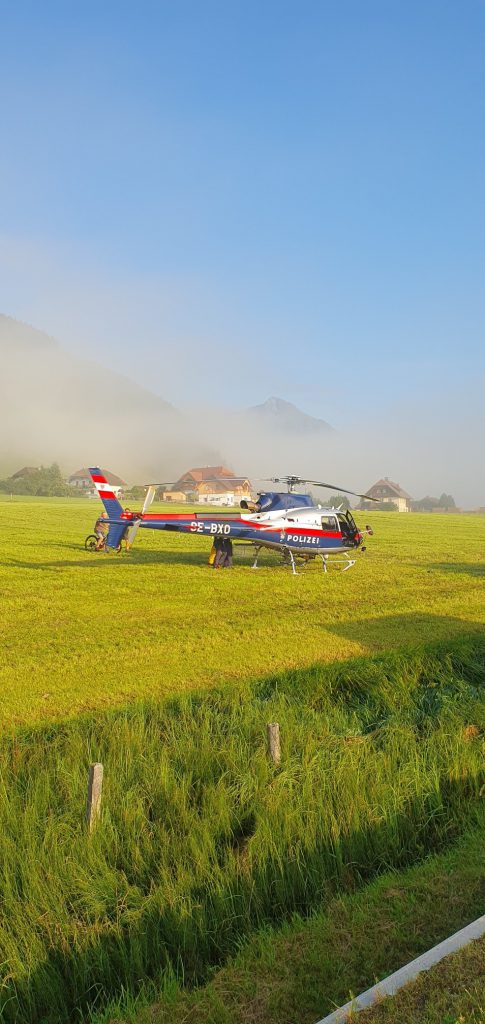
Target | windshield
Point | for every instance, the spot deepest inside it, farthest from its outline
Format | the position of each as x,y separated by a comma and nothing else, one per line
329,523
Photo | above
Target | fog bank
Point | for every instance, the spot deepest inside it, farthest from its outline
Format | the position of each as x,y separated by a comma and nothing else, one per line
56,407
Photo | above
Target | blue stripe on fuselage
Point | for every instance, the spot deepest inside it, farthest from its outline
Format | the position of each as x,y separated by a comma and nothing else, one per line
274,538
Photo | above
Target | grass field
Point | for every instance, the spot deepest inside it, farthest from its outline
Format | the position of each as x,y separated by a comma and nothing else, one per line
300,972
168,673
203,840
80,631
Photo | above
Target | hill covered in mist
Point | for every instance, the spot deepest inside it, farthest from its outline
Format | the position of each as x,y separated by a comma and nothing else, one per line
56,407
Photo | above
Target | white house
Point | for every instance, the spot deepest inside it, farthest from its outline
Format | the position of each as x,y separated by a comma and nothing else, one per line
82,480
388,492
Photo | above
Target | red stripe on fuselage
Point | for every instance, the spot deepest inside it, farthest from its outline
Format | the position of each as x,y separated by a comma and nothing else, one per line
169,517
301,531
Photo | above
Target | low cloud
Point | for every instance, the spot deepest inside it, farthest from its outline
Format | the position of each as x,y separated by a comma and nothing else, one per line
129,348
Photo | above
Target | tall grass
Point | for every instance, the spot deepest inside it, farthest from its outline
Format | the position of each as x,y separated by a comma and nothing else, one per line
202,839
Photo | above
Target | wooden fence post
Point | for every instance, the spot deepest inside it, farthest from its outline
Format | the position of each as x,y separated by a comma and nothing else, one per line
274,746
95,787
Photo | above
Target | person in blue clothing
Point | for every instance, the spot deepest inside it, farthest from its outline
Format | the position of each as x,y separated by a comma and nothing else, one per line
226,562
220,553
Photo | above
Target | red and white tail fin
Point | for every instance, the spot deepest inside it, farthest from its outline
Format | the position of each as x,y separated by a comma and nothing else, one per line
105,492
119,519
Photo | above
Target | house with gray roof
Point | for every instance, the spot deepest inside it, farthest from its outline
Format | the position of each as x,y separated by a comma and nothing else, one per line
387,492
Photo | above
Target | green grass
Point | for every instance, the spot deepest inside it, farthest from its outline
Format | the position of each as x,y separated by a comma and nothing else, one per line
301,971
80,632
168,673
453,992
202,840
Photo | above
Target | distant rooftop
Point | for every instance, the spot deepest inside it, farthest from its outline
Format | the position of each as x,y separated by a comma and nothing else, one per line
25,471
84,474
396,488
200,473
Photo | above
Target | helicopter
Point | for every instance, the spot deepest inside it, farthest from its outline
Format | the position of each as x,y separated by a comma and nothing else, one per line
285,521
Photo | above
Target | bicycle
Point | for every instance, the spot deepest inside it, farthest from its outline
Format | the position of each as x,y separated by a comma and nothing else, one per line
92,541
91,544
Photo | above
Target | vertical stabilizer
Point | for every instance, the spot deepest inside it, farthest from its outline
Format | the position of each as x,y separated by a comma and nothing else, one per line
107,495
112,506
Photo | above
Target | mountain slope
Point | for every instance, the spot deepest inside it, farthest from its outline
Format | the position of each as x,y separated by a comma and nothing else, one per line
285,416
57,407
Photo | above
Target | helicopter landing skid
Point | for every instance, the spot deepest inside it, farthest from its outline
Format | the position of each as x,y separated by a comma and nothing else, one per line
328,561
333,561
288,559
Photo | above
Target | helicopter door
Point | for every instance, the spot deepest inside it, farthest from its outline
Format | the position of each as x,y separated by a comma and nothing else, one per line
347,526
351,521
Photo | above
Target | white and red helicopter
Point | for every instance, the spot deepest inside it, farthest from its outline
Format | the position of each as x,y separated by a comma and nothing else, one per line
283,521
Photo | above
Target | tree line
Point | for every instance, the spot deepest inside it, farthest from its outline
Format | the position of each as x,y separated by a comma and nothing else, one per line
44,482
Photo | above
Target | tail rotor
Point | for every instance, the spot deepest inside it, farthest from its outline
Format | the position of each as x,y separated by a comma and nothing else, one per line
133,530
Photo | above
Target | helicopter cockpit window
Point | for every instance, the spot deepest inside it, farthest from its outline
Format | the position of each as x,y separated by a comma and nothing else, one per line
329,523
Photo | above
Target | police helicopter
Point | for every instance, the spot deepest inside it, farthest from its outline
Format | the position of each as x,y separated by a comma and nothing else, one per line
285,521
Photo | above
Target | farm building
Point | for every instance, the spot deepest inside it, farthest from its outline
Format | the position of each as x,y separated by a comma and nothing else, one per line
82,480
390,493
210,485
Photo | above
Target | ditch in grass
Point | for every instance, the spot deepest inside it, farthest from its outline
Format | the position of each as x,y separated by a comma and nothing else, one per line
202,840
303,970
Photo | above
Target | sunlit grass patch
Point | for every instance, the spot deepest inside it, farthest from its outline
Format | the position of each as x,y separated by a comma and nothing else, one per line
452,992
168,673
81,631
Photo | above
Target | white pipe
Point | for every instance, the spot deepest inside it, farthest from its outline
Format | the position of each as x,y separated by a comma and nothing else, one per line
404,975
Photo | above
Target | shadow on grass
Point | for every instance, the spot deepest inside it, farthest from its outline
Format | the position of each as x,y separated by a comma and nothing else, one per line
137,557
375,634
91,560
460,568
167,940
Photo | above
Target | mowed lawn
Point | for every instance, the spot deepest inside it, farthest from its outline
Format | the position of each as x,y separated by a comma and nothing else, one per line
81,631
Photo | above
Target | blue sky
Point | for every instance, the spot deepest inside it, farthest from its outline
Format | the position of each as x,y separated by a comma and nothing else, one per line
290,191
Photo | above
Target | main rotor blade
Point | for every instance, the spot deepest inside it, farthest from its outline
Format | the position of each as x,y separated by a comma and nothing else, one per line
294,480
339,490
